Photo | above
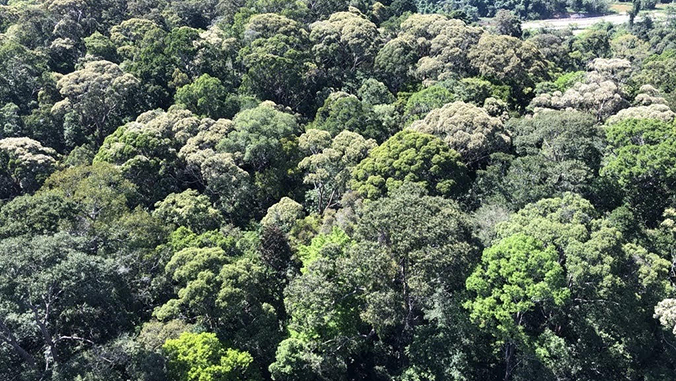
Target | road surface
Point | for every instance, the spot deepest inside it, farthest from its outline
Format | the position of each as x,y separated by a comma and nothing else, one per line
577,22
580,23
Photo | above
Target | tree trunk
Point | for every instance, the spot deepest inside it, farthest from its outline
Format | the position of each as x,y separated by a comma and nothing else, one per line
510,351
9,338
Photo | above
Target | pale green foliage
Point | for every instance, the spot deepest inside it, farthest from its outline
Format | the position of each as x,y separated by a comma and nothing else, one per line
649,95
312,252
347,40
449,42
430,47
129,35
218,172
666,312
259,135
283,214
189,209
517,276
151,135
648,104
314,140
468,129
24,165
507,23
374,92
617,69
509,60
330,161
195,269
630,47
201,146
597,93
496,108
101,194
227,182
269,24
154,334
658,111
201,357
146,149
97,98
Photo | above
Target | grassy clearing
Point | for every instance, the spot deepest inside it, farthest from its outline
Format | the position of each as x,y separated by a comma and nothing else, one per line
620,7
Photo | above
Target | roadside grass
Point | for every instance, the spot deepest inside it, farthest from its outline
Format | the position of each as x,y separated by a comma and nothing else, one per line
620,7
625,7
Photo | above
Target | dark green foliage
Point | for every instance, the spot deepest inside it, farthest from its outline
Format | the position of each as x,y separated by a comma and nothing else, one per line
525,9
207,97
366,300
56,297
21,76
659,70
163,62
276,61
641,161
557,152
268,190
426,100
41,213
101,47
571,331
343,111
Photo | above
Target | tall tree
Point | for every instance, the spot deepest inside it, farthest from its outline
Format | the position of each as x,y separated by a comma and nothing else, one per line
411,157
97,99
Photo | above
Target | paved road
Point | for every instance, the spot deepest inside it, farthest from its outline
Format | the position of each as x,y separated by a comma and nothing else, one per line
578,22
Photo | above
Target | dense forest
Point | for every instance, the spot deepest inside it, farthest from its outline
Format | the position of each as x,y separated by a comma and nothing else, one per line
220,190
